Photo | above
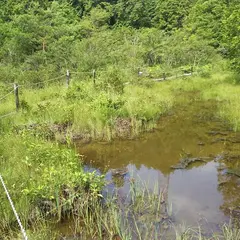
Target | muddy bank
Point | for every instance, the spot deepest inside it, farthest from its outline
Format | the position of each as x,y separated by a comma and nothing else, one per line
121,128
185,162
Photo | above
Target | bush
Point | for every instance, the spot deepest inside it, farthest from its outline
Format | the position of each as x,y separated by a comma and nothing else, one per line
112,80
205,71
36,171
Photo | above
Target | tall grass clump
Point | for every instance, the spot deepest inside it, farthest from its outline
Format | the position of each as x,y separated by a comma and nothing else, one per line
220,87
44,180
93,110
227,232
147,103
227,94
140,214
135,216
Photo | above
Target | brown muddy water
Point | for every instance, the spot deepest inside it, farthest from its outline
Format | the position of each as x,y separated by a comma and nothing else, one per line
203,193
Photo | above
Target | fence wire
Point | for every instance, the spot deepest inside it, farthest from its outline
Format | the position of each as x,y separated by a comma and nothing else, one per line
4,97
86,72
81,72
47,81
14,209
8,114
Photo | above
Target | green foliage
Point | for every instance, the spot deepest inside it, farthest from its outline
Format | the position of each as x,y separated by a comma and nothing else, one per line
205,20
192,51
41,32
99,16
135,13
39,40
147,104
48,36
228,95
231,36
112,80
170,14
205,71
37,171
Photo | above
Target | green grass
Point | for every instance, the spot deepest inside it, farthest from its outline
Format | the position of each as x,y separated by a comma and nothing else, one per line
221,88
36,170
90,109
38,174
137,218
228,96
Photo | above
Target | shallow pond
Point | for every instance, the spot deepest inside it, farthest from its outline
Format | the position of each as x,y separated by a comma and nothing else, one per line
201,194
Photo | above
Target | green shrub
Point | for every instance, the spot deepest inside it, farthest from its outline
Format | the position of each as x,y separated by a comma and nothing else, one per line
205,71
36,171
112,80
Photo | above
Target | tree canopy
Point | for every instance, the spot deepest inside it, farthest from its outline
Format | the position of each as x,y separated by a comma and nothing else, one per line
56,34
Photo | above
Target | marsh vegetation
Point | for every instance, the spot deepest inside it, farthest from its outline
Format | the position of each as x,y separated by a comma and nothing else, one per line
118,53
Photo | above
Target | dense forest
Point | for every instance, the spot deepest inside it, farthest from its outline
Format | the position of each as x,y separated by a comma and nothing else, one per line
49,36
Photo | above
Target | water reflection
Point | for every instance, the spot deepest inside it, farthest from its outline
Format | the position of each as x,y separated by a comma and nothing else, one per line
194,192
195,195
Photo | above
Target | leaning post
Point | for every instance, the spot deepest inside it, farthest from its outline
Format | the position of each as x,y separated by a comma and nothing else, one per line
94,76
16,93
191,70
68,78
164,76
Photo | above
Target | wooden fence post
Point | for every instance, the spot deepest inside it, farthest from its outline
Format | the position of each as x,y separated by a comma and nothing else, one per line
164,76
68,78
140,73
94,76
15,86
